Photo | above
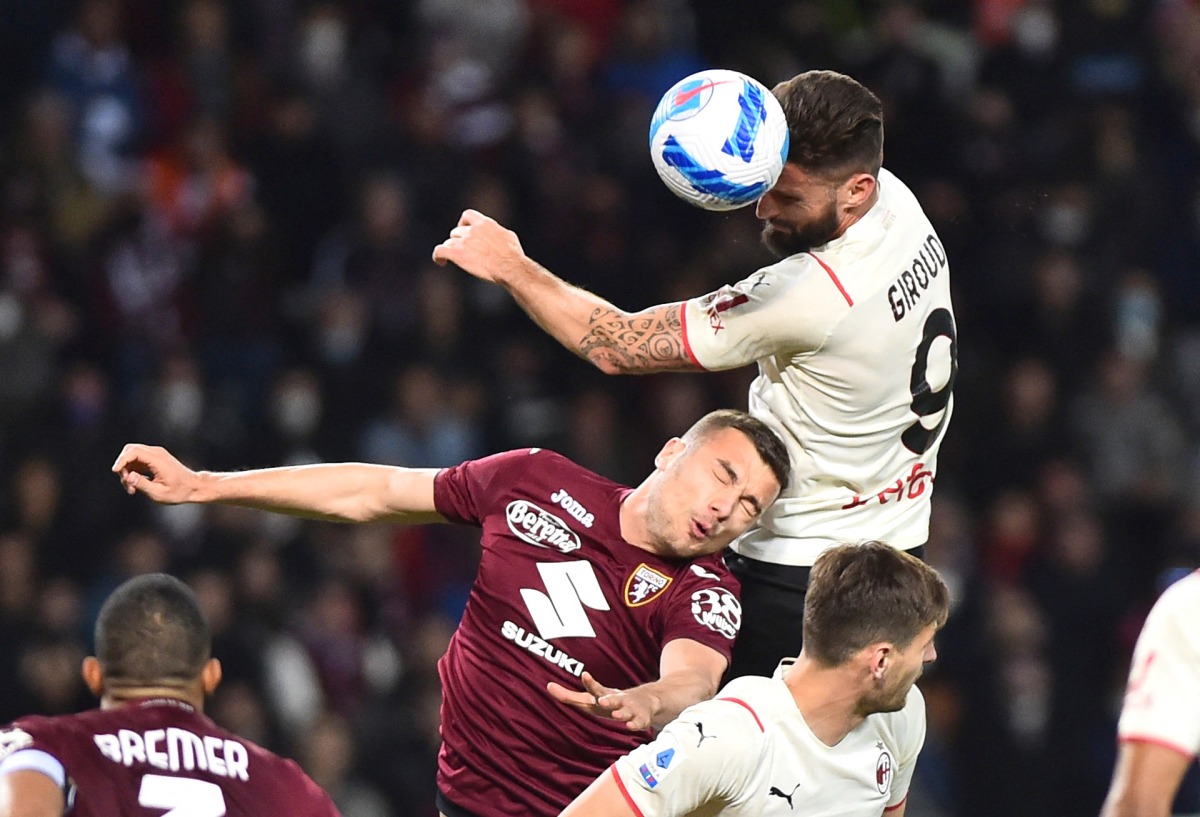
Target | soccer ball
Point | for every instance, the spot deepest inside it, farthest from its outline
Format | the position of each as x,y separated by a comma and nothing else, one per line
719,139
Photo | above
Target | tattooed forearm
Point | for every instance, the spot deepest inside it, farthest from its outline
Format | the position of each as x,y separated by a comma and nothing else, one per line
649,341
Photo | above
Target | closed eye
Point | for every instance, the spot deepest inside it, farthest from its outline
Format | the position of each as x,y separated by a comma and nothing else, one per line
755,507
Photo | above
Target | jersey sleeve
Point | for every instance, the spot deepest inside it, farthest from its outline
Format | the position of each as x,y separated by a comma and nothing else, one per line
705,756
466,493
22,749
1161,703
706,608
785,309
910,738
14,738
315,801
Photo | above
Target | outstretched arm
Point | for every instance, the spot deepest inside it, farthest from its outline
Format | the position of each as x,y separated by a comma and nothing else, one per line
689,672
1145,781
28,793
603,798
345,492
615,341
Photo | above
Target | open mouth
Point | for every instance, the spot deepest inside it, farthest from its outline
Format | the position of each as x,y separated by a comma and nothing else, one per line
699,529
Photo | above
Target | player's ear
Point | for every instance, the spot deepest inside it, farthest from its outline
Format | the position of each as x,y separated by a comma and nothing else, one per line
880,658
210,676
93,675
859,188
670,450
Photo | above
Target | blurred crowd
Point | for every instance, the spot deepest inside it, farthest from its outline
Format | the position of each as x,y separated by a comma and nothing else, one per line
216,219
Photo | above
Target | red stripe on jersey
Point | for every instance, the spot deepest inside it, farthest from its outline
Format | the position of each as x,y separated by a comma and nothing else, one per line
748,709
833,277
687,347
898,805
625,791
1166,744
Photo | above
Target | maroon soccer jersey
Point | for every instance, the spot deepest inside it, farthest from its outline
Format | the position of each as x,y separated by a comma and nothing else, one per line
162,758
559,591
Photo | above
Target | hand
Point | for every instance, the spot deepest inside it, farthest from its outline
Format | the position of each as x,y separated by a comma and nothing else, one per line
482,247
634,707
155,472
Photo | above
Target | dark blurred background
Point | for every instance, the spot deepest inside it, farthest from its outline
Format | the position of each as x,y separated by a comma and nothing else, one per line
216,219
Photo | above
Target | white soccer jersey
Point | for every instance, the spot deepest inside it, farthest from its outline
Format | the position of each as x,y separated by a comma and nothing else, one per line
1162,699
857,352
750,752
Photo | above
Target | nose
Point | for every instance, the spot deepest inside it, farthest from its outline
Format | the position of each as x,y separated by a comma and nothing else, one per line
765,208
722,504
930,653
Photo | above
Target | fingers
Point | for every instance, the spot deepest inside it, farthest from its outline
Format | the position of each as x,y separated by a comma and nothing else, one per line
470,217
576,697
595,687
569,696
151,470
444,252
130,481
613,703
588,699
621,708
129,454
129,465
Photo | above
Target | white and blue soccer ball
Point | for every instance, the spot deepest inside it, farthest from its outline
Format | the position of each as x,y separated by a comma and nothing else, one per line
719,139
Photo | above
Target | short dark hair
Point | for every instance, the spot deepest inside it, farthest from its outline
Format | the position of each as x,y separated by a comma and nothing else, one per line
767,443
835,124
151,630
862,594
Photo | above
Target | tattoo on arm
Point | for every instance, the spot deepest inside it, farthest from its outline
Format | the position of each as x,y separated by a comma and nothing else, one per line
650,341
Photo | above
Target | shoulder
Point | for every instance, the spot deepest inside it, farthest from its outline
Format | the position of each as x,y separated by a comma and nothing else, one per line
1170,628
36,731
540,463
713,603
764,690
500,473
787,306
900,201
1172,617
1182,598
16,736
906,726
41,743
279,775
757,702
706,571
785,280
518,459
735,723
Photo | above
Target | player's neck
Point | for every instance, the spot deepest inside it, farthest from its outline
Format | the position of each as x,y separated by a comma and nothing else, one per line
856,214
827,698
125,696
632,521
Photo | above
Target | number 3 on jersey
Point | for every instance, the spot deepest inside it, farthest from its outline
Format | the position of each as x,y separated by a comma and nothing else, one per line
926,401
570,586
181,796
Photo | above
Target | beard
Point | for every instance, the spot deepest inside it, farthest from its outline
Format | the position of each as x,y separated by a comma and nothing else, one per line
889,696
890,703
784,242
